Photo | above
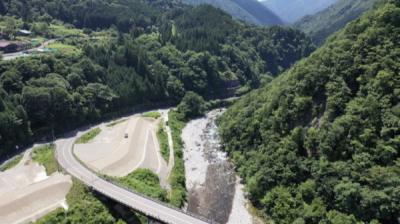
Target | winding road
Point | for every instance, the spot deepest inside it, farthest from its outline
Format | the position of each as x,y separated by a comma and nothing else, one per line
150,207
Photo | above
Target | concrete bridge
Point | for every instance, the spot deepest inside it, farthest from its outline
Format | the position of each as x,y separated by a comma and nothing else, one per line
150,207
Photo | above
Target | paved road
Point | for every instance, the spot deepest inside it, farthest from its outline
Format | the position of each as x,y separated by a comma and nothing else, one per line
150,207
11,56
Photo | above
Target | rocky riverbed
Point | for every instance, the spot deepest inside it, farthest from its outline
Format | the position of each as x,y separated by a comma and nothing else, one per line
214,190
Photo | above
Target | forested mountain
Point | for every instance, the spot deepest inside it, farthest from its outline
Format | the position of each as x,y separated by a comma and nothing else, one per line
321,143
247,10
332,19
153,51
292,10
126,15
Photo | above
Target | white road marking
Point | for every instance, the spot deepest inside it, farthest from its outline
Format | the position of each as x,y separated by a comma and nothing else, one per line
144,152
135,201
157,152
119,192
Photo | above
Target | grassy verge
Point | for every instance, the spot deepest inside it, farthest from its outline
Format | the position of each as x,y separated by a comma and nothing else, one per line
143,181
59,30
163,140
88,136
45,155
112,124
152,114
177,179
65,48
10,164
84,206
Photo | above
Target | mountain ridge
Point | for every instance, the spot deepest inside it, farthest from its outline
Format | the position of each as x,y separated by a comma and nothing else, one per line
292,10
320,143
247,10
335,17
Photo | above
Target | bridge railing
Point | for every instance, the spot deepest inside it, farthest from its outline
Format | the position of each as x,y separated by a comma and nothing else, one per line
158,201
111,181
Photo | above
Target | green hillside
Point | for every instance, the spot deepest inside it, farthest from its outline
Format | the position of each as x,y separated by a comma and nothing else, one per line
332,19
129,54
321,143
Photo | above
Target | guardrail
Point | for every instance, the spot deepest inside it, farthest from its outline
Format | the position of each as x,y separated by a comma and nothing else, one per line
109,180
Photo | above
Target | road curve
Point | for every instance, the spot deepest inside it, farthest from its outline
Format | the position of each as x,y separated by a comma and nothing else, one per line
143,204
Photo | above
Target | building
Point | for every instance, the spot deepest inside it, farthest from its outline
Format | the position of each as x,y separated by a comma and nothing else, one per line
11,46
24,32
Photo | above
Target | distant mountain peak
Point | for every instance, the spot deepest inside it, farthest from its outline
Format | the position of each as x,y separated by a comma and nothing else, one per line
322,24
250,11
292,10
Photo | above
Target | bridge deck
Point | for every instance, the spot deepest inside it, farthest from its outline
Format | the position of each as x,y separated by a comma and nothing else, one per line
150,207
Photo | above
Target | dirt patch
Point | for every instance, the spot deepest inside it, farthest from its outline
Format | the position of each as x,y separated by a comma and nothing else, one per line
27,193
120,149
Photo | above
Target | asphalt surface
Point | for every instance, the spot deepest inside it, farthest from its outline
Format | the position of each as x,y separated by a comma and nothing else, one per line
145,205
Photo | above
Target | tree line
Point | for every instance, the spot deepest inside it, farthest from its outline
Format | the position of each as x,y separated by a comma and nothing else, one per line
320,143
52,93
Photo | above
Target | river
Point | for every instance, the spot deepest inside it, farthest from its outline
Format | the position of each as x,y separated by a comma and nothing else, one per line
214,190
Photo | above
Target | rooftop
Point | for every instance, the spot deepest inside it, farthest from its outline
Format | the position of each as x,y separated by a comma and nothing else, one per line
25,31
6,43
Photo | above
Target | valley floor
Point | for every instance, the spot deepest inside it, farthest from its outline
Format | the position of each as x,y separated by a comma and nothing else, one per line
214,190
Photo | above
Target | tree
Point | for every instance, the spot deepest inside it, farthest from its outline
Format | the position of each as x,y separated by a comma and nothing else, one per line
314,212
282,206
40,28
335,217
10,28
175,88
11,81
192,105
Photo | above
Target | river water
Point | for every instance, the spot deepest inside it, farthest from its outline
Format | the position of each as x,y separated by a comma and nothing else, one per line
214,190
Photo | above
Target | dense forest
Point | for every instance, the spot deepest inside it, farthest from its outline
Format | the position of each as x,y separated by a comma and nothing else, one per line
126,15
156,52
323,24
321,143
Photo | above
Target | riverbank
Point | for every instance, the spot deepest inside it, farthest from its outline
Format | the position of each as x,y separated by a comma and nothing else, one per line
177,194
214,190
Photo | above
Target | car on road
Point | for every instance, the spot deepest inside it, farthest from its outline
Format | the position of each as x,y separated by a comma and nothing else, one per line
126,135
